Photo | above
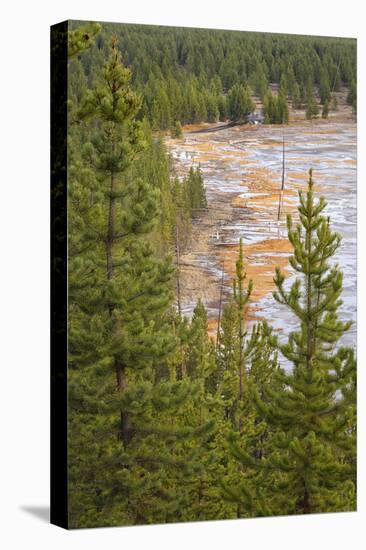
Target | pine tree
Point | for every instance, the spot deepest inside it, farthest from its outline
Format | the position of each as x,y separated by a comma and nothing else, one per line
296,100
239,102
284,85
161,113
259,81
182,212
334,104
154,167
275,109
234,346
241,298
177,131
123,392
245,359
200,357
199,493
82,38
311,410
247,487
195,189
228,360
212,108
282,109
268,107
312,109
291,80
223,108
325,110
324,87
352,96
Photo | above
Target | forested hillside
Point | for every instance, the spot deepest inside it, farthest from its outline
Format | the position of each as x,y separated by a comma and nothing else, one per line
166,423
194,75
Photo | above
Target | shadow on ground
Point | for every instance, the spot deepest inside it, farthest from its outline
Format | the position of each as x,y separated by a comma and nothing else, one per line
40,512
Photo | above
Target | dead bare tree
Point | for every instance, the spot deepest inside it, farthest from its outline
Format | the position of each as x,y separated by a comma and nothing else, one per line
282,184
177,254
220,302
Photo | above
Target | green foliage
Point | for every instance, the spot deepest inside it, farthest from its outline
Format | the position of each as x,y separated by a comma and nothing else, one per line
259,81
212,108
245,361
201,358
177,131
325,111
352,96
324,87
284,86
223,108
312,109
308,410
234,346
296,97
123,389
239,102
195,190
186,74
275,109
164,425
82,38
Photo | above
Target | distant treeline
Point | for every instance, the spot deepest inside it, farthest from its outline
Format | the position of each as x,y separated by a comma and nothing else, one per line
195,75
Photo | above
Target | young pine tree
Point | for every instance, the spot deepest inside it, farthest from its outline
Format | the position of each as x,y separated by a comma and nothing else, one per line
324,87
296,99
325,110
268,107
176,131
241,298
195,189
311,410
275,109
245,360
201,492
200,357
240,103
312,109
282,109
222,104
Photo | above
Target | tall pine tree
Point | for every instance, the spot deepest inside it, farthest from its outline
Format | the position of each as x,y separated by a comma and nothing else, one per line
124,398
310,410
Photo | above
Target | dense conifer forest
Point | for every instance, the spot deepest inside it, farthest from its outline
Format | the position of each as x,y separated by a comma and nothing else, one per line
166,423
194,75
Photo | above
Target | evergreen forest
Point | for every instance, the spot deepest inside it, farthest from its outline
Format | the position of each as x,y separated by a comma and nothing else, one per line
167,423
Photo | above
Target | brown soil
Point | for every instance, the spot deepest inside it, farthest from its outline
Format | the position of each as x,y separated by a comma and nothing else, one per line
260,269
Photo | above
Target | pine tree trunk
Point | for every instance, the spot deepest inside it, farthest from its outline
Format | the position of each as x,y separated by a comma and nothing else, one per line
310,345
121,378
305,504
310,328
